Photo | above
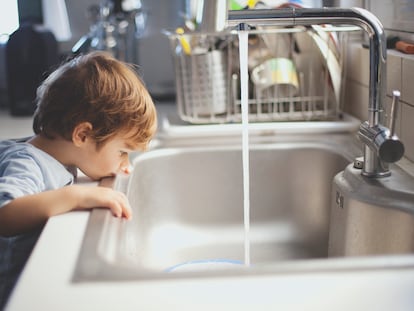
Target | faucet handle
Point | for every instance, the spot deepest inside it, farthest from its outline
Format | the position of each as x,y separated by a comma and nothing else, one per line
391,149
393,114
382,140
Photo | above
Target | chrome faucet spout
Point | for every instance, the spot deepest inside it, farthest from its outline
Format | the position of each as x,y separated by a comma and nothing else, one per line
373,164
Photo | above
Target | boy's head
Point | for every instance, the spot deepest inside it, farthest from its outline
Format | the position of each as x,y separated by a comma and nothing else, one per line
98,89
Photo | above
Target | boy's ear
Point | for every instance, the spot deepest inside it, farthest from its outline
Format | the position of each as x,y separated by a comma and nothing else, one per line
81,133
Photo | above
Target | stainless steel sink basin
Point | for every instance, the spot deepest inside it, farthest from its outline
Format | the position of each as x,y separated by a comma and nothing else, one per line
188,207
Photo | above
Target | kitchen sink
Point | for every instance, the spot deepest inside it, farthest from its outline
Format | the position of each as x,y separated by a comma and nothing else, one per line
188,208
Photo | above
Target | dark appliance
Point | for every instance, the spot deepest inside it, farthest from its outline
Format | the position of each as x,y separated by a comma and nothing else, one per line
31,52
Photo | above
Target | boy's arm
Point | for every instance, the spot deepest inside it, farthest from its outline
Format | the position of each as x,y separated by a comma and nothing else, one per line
27,212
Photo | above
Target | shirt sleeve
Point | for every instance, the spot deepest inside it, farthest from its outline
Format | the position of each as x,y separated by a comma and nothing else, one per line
20,176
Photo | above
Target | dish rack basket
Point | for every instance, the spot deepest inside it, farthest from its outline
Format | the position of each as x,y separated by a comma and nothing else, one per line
207,67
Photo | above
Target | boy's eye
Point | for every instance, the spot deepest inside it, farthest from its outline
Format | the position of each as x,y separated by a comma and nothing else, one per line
123,153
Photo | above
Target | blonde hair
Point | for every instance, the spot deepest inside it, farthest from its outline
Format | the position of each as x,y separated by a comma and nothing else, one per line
99,89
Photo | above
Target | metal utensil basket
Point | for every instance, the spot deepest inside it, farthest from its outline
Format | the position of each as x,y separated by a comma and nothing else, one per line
207,74
203,83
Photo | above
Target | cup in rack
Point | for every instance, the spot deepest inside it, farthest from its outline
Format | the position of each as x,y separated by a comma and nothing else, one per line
279,73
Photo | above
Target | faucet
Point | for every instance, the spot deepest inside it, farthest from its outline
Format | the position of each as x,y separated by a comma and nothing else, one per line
381,146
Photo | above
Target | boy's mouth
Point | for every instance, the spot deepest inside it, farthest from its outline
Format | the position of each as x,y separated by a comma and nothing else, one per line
109,175
106,182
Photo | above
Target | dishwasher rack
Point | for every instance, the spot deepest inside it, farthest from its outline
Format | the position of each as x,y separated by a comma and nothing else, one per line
207,74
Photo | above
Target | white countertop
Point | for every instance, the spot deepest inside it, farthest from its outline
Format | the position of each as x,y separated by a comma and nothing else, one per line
46,284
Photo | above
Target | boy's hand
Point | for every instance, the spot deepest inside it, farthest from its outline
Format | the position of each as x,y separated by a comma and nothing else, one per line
28,212
92,196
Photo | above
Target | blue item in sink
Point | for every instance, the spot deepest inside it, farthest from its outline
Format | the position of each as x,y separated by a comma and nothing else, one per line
205,265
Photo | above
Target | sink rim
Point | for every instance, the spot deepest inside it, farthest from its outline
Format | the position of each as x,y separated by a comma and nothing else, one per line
91,266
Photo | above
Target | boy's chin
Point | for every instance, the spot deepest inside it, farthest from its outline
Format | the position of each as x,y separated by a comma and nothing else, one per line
100,177
104,177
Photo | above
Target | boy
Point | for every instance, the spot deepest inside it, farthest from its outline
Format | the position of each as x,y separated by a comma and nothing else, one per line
91,113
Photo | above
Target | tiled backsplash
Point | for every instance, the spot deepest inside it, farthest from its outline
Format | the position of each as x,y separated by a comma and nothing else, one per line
400,76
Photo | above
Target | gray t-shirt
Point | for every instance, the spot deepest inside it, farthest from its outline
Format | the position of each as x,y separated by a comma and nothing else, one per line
24,170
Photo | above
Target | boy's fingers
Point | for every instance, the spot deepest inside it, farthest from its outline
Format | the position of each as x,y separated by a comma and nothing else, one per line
124,207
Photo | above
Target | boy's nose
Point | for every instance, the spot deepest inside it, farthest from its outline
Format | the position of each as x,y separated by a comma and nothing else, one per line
125,166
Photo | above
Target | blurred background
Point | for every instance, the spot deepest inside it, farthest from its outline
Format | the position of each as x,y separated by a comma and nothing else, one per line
37,35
